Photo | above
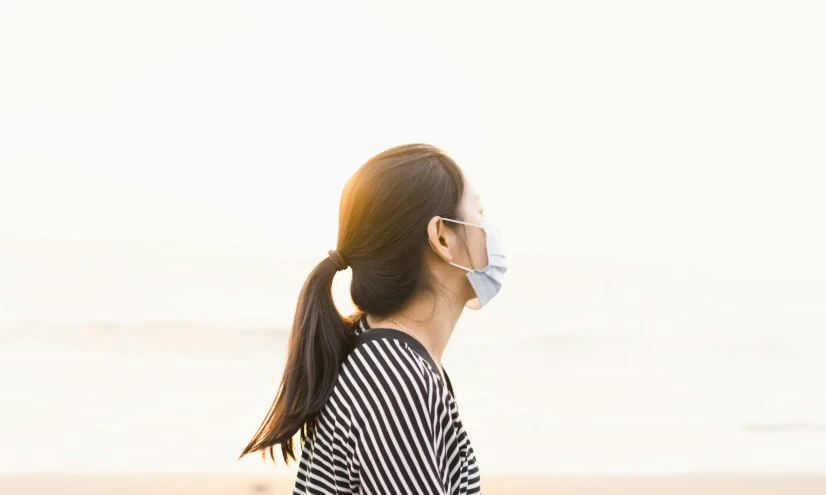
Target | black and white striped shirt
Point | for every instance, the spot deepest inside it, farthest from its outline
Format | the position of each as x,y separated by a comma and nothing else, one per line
391,426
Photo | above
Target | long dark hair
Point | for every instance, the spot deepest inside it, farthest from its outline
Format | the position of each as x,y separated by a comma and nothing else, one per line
382,234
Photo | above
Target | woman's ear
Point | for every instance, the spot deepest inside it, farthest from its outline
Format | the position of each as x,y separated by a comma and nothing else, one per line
441,238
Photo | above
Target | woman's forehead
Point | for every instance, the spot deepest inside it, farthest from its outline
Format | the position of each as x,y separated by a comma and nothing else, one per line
471,199
471,193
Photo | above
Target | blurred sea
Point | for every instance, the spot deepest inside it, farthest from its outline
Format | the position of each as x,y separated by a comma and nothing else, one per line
151,358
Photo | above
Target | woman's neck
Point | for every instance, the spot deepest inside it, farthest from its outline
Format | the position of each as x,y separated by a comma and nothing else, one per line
432,326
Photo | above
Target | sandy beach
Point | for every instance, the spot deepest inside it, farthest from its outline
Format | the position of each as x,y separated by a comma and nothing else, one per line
169,484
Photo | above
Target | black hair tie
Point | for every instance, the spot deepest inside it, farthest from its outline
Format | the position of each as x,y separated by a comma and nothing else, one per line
338,259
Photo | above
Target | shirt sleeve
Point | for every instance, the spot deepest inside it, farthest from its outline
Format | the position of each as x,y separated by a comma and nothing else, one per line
396,442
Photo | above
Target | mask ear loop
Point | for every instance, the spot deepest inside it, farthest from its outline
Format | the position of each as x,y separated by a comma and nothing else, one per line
466,223
449,262
463,242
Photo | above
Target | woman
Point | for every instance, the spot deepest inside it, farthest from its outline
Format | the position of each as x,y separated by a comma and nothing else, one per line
376,411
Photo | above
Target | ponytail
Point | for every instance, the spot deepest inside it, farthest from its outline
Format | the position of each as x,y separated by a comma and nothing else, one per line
319,341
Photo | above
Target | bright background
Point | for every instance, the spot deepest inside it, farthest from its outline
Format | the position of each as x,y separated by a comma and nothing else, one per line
170,171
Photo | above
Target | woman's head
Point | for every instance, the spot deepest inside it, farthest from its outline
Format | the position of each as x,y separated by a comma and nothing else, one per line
393,237
391,232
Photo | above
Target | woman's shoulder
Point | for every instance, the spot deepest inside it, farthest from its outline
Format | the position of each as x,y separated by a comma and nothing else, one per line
389,363
386,376
392,348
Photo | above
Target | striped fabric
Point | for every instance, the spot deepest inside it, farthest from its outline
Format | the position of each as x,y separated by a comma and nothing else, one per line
391,426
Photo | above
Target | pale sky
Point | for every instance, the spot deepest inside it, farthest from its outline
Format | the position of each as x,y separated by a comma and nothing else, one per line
690,132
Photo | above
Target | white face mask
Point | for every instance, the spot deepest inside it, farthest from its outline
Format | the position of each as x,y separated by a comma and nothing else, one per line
487,281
